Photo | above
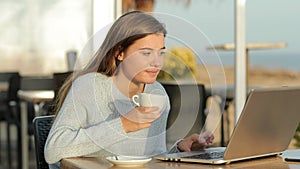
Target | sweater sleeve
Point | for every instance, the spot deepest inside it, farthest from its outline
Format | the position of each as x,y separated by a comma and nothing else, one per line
80,129
174,148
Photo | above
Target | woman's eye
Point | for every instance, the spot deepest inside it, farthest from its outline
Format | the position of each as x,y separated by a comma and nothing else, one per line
162,53
146,53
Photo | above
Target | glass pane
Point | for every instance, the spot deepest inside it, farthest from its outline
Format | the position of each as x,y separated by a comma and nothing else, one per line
36,35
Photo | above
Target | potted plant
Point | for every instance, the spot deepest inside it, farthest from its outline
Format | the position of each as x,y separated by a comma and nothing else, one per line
179,63
297,137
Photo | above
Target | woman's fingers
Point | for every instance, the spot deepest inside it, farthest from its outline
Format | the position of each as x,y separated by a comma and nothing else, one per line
206,137
146,114
186,144
139,118
196,141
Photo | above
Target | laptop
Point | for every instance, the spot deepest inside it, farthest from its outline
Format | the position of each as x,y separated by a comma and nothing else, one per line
265,127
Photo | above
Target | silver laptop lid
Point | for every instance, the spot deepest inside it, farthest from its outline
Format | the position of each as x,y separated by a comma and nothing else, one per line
269,128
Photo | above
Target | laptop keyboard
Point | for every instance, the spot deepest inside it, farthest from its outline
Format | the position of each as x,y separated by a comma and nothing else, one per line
208,155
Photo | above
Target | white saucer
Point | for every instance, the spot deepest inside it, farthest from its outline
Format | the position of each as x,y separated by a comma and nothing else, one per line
128,161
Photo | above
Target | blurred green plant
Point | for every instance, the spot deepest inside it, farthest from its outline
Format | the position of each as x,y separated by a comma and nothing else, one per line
297,136
179,63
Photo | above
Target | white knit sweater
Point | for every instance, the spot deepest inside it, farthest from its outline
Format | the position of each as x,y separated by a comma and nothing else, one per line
89,124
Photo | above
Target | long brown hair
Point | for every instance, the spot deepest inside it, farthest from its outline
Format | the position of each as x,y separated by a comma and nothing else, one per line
124,32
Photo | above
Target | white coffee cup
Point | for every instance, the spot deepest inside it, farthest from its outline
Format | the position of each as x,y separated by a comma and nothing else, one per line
149,100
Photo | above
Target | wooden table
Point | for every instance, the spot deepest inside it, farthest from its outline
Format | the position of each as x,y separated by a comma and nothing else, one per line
33,96
250,46
262,163
36,96
231,46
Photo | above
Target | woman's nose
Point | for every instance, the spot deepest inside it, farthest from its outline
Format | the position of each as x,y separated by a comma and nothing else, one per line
157,62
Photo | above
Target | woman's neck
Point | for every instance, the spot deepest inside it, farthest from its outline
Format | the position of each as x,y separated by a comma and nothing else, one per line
127,87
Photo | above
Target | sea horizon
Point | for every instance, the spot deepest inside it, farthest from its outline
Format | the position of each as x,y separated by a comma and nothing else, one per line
287,62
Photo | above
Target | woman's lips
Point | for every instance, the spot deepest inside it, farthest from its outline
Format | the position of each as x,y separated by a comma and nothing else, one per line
152,72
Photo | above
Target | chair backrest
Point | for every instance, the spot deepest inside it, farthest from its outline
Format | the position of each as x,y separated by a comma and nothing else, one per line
59,79
37,83
9,96
14,87
5,76
13,81
42,126
186,115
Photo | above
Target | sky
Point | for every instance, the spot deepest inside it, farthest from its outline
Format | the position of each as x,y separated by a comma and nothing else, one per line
266,21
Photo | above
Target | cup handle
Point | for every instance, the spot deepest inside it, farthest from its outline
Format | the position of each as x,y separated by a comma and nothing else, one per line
134,99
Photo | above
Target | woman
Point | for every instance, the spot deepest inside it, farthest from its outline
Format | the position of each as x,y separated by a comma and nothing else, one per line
94,113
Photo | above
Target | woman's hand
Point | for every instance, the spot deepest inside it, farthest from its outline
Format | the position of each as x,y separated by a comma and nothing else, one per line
139,118
196,142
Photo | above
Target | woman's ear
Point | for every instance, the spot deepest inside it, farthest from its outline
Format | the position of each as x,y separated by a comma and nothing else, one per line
119,53
120,56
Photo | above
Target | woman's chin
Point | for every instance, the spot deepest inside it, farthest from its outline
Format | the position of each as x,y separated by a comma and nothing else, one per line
149,81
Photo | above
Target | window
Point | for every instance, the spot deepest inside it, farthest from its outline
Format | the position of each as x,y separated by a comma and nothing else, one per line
36,35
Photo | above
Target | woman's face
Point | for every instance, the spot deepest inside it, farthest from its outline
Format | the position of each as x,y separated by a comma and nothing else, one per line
143,60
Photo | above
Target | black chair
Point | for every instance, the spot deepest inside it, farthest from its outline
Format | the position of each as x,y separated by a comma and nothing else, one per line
9,94
41,126
36,83
59,79
10,111
186,115
4,78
